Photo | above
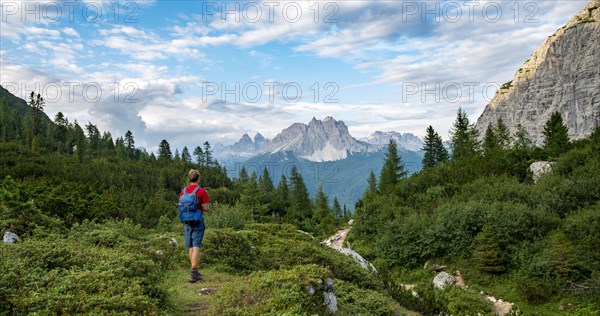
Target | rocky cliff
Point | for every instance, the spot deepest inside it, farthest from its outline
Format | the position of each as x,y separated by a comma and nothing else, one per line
562,75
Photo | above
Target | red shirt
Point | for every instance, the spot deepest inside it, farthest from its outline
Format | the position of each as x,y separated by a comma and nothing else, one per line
201,194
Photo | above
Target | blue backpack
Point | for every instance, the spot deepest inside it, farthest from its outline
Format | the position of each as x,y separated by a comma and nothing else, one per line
189,211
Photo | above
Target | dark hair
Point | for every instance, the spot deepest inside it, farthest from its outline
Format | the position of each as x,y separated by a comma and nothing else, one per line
193,175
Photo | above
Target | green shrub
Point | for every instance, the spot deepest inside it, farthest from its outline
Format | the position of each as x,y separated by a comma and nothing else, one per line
278,292
226,216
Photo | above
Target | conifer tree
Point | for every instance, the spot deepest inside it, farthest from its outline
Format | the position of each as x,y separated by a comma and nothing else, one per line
556,135
464,136
502,134
199,155
338,213
323,216
185,155
522,139
490,141
208,160
393,169
176,156
300,206
488,256
435,152
164,151
372,183
265,182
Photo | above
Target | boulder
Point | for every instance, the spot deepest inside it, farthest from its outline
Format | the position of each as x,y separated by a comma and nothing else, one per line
10,238
442,280
540,168
358,259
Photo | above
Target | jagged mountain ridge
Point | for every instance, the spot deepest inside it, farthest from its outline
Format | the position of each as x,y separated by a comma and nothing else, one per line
317,141
562,75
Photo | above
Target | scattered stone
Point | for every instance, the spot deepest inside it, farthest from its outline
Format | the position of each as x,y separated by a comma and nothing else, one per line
305,233
438,268
442,280
410,287
540,168
159,252
350,222
500,307
330,301
10,238
458,280
207,291
173,242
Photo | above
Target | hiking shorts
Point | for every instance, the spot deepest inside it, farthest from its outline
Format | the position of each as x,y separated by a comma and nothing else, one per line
193,235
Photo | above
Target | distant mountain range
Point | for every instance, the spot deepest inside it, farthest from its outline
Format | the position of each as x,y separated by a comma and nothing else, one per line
324,152
317,141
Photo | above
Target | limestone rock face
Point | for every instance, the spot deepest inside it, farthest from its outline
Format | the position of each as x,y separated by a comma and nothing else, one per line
563,75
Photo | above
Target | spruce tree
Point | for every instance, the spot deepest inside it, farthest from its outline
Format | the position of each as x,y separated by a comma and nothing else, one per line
522,139
556,135
488,256
265,183
300,206
372,183
435,152
429,148
323,216
185,155
490,141
208,161
199,154
338,213
502,134
393,169
464,136
164,151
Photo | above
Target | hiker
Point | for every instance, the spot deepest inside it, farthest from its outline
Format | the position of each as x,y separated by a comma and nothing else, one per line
191,209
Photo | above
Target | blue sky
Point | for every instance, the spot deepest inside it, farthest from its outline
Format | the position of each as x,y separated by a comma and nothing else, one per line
187,71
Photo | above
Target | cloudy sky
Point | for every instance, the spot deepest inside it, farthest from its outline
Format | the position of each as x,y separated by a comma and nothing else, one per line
190,71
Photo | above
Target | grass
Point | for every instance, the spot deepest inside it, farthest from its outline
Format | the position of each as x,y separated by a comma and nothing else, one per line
184,297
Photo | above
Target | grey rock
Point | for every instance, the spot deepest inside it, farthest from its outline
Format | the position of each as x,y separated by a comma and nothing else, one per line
540,168
10,238
563,75
330,301
442,280
173,242
358,259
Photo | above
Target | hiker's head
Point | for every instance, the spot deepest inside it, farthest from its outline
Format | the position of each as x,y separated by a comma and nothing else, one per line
193,175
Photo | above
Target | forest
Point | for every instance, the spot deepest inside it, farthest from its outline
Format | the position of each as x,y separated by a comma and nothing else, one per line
97,223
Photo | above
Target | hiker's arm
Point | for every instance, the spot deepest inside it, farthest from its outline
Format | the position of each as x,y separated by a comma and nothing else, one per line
204,207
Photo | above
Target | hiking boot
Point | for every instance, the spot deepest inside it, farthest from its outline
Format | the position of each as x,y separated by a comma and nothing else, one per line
194,276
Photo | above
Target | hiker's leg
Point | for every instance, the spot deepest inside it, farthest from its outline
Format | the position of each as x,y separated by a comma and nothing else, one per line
194,256
190,254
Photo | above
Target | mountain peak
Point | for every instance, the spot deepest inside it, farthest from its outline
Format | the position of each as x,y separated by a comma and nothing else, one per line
317,141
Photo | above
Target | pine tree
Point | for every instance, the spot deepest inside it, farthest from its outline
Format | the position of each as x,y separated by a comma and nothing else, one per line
429,149
207,154
265,183
488,256
562,255
164,151
338,213
185,155
372,183
556,135
199,154
323,215
300,204
464,136
490,141
502,134
522,139
393,169
129,143
282,196
435,152
243,175
176,156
